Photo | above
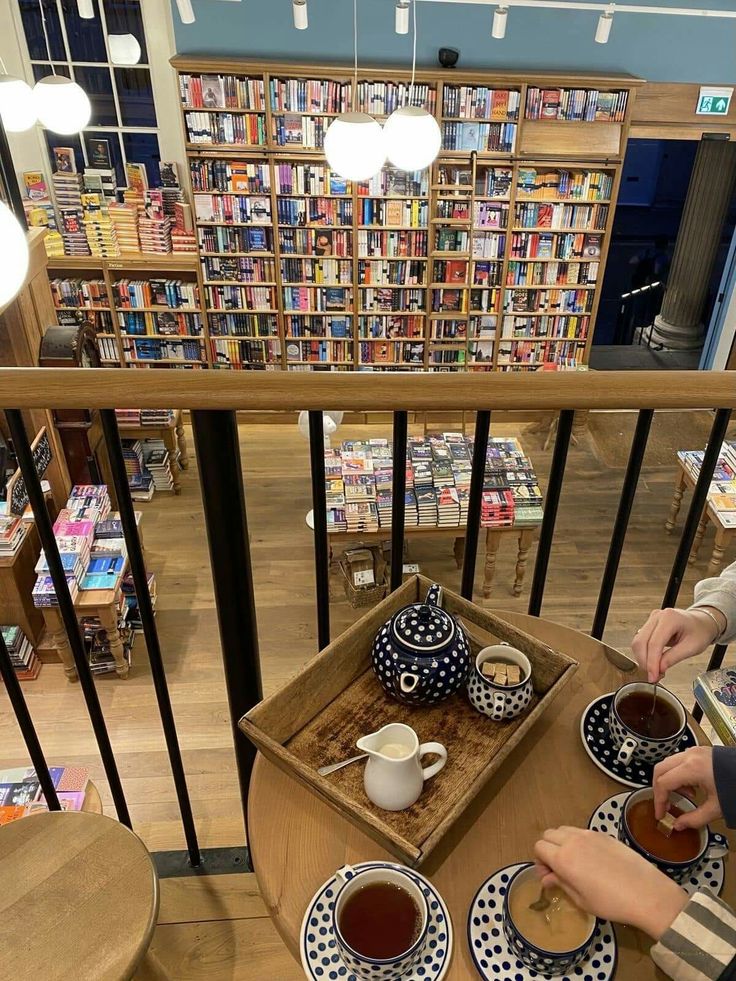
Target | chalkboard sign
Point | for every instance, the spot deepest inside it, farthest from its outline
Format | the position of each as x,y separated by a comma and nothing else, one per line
17,494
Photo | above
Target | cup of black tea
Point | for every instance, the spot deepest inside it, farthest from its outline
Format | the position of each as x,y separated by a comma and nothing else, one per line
676,854
379,920
646,723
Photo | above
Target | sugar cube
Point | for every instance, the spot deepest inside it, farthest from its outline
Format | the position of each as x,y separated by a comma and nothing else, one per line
666,825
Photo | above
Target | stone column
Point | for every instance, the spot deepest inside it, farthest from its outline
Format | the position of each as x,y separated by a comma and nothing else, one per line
678,325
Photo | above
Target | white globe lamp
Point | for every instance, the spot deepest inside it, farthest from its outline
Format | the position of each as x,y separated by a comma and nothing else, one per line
61,104
412,138
17,108
354,146
13,255
124,49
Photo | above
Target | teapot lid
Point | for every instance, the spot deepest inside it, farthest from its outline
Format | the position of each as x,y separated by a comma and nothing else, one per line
423,629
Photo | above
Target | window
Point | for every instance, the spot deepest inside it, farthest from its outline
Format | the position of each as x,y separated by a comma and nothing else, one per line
123,111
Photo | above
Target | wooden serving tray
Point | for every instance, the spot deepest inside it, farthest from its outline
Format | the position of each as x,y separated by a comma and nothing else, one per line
317,717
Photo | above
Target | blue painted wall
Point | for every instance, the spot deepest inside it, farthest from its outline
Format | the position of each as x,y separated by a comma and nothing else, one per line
665,49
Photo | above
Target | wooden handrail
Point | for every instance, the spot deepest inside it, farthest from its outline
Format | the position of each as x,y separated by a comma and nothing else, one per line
100,388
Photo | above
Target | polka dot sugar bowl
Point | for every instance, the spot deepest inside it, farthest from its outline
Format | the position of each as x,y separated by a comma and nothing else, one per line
421,655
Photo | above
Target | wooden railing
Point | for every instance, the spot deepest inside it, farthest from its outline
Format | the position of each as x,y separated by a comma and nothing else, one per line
213,399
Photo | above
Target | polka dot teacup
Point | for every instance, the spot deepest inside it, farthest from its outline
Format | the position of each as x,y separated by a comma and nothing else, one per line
500,701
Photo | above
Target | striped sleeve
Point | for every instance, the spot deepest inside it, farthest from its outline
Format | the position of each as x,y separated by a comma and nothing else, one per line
700,945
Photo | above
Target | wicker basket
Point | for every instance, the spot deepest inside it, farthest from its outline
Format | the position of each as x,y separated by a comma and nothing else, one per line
364,595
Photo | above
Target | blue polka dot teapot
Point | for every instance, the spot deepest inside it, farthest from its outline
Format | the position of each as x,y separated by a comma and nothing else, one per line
421,655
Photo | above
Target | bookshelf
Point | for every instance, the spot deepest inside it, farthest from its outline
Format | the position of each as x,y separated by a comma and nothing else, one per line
491,259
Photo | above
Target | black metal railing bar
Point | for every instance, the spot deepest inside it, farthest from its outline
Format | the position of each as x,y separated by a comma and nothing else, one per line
319,519
475,499
398,498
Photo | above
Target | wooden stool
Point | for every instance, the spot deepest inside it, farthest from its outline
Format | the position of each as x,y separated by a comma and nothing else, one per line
78,898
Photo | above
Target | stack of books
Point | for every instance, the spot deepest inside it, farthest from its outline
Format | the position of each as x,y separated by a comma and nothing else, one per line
154,228
139,480
497,509
131,612
361,516
101,180
12,534
722,490
156,417
103,571
26,663
156,462
124,219
98,227
20,791
97,643
128,417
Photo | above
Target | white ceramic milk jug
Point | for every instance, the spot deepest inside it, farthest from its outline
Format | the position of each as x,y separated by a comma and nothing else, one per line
394,776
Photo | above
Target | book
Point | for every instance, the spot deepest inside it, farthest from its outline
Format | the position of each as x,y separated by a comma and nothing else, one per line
715,692
213,92
64,160
98,152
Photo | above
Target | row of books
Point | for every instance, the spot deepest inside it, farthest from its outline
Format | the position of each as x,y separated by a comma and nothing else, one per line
225,297
319,271
388,327
394,212
314,211
163,322
583,105
389,182
26,663
243,269
21,795
211,128
405,273
309,178
243,324
230,208
481,137
322,299
296,325
319,350
315,241
148,349
488,245
551,273
108,349
480,102
548,352
585,216
392,244
555,245
233,353
300,131
173,293
218,238
458,208
310,95
563,184
490,214
79,293
722,489
458,330
237,176
564,326
394,352
382,98
548,301
392,300
145,417
221,92
457,301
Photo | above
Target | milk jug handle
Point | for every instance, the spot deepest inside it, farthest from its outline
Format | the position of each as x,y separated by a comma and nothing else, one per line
439,750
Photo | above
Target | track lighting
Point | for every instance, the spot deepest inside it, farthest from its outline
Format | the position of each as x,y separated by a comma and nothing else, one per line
86,9
186,12
301,20
500,15
402,18
603,30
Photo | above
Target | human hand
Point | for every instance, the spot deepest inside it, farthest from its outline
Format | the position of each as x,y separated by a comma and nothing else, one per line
606,878
684,773
670,636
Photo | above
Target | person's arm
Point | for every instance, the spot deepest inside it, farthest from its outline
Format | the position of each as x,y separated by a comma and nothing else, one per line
700,943
719,594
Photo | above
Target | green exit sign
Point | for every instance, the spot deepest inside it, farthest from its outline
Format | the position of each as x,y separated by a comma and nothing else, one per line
713,101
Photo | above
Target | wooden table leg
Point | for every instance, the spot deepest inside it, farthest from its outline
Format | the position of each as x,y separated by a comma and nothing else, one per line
493,540
170,443
680,485
719,545
526,537
108,616
182,443
459,552
697,541
57,633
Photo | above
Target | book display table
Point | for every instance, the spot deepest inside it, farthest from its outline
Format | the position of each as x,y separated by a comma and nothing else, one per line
17,577
101,603
724,521
298,841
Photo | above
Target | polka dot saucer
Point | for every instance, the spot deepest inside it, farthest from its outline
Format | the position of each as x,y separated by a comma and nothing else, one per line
321,959
709,874
598,744
493,957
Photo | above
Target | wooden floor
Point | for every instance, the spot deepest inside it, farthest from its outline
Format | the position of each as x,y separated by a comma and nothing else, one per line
206,922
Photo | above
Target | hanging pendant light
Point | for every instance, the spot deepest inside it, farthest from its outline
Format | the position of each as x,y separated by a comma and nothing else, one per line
412,135
13,255
124,49
61,104
17,108
354,144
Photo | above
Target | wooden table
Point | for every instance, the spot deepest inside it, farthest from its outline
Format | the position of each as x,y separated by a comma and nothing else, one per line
297,841
78,898
173,437
724,536
17,578
524,535
101,603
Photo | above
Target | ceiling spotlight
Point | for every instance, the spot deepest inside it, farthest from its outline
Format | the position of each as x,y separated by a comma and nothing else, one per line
17,109
62,105
402,18
499,22
603,30
301,20
86,9
186,11
124,49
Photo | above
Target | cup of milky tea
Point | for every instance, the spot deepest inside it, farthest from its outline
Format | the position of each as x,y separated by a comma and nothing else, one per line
551,941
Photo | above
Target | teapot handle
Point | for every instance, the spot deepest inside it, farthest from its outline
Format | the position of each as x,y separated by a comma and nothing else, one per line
434,595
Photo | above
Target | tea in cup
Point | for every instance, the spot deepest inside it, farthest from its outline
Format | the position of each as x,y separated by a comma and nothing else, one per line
499,698
551,941
677,854
646,726
380,920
